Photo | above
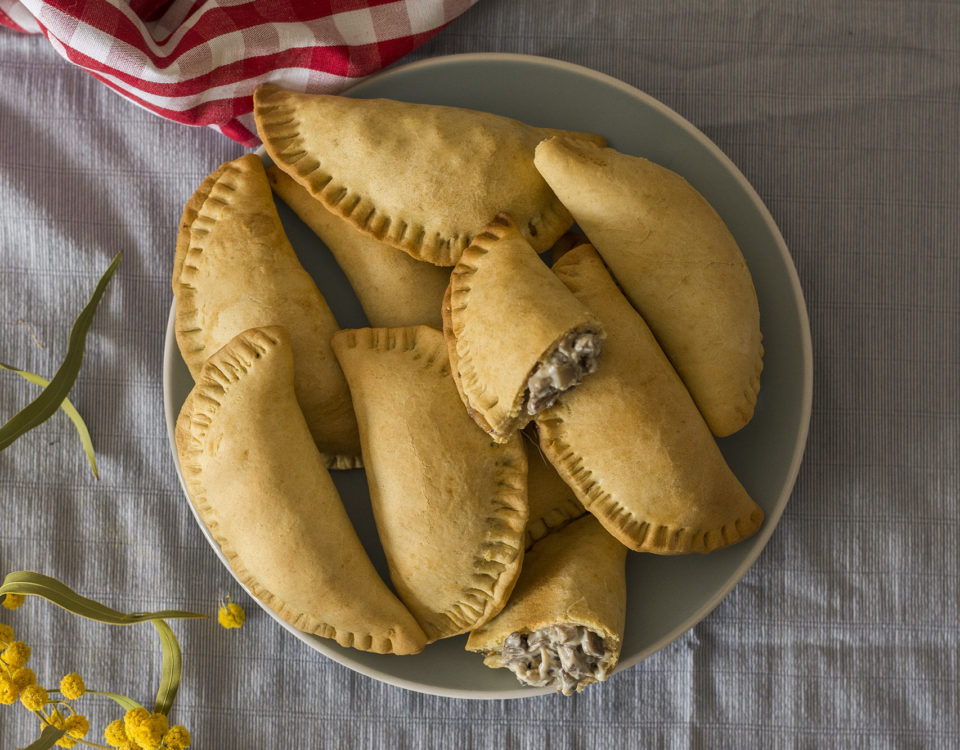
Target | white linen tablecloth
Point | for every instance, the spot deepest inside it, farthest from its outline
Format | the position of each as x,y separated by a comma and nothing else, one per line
843,115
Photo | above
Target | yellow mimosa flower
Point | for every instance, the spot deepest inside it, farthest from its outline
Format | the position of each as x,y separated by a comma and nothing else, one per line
23,678
34,697
7,635
12,601
16,655
116,734
231,615
178,738
72,687
9,692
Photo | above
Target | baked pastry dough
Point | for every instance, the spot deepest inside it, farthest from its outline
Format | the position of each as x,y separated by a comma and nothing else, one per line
394,289
449,503
563,626
423,178
517,337
235,270
553,504
631,442
258,482
677,262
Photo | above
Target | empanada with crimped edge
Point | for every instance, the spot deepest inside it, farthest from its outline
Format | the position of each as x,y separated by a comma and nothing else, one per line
187,218
678,264
394,289
235,270
632,443
258,482
563,626
553,503
505,316
424,178
450,504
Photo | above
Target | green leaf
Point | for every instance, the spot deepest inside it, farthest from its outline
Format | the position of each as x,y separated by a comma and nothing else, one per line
46,404
36,584
47,739
171,669
69,409
123,701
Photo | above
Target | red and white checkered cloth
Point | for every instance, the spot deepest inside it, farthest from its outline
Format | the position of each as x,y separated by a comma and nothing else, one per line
198,61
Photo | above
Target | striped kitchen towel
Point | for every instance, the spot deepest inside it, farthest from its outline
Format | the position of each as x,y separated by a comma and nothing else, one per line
198,61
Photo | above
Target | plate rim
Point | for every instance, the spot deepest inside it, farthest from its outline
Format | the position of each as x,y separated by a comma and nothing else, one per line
758,542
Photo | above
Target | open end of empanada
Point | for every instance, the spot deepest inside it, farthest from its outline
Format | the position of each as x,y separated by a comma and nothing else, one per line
575,355
517,337
563,657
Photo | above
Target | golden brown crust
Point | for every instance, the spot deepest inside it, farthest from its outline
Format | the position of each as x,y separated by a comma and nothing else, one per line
574,576
422,178
678,264
450,504
189,215
238,271
394,289
503,313
632,443
256,479
553,503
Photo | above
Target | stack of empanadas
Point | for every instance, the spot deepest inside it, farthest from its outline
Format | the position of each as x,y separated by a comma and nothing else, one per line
520,427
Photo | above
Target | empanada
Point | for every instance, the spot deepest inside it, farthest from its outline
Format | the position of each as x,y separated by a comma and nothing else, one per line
632,443
394,289
563,626
517,337
235,270
553,503
449,503
255,477
423,178
677,262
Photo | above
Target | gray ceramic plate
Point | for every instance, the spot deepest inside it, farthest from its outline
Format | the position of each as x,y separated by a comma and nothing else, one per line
666,595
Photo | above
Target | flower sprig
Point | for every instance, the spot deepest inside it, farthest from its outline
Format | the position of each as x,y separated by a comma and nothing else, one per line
60,723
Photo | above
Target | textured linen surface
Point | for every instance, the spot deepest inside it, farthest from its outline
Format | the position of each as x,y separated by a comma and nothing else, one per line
843,115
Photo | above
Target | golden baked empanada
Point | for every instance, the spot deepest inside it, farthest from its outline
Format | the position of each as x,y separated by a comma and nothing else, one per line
677,262
235,270
449,503
553,503
563,625
632,443
394,289
255,477
423,178
517,337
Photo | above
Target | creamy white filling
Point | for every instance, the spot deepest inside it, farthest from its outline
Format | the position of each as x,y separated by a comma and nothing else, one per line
577,354
561,657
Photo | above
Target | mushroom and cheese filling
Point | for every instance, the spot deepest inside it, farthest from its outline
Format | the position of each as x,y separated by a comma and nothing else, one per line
577,354
563,657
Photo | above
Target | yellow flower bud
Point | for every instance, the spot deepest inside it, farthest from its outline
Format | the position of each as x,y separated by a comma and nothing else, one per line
150,733
23,678
9,692
76,725
72,687
178,738
66,741
133,719
12,601
231,615
115,733
16,655
6,634
33,697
